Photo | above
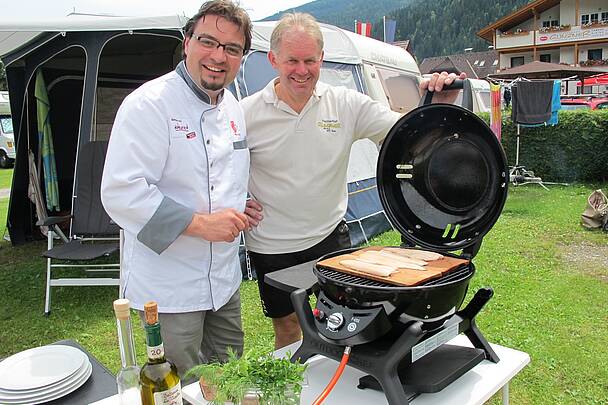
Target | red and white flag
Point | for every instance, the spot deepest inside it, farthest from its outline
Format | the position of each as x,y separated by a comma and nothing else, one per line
364,29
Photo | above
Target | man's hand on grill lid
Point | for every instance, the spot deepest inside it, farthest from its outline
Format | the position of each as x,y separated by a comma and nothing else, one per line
437,81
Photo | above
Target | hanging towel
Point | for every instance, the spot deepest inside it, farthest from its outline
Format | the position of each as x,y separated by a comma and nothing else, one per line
495,110
556,105
532,102
45,139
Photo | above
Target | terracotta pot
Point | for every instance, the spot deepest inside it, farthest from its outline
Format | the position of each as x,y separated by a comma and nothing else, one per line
209,390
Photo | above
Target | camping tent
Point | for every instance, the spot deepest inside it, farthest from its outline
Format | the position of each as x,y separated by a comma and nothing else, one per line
91,64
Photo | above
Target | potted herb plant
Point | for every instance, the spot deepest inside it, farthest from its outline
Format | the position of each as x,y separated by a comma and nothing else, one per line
255,378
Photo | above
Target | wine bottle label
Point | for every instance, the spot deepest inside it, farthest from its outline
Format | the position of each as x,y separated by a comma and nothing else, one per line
156,352
172,396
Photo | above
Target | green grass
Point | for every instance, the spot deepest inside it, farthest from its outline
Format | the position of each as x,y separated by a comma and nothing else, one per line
553,308
6,178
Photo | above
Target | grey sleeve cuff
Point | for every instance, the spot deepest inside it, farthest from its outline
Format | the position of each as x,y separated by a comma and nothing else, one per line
167,223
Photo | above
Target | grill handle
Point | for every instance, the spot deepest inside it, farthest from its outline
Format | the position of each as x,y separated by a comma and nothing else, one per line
467,93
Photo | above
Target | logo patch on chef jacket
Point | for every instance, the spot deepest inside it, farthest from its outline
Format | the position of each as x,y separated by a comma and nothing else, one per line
191,135
235,130
179,125
329,126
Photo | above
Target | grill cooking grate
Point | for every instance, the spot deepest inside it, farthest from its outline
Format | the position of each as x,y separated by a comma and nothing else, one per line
364,282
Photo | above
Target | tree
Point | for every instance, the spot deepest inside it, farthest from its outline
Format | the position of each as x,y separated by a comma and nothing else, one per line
3,83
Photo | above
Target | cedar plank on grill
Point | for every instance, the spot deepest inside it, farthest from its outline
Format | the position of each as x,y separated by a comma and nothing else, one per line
403,277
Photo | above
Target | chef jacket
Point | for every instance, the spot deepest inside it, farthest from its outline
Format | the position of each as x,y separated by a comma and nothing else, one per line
171,154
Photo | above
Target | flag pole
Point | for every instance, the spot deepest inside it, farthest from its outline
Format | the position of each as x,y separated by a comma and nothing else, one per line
384,27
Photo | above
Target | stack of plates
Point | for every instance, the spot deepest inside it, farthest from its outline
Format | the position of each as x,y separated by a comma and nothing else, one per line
42,374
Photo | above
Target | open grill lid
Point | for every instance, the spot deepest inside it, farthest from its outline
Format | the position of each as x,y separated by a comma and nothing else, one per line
442,177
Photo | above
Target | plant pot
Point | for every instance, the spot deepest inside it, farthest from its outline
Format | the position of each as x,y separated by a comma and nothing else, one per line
209,390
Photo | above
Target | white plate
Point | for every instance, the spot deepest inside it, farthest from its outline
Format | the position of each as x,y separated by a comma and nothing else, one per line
52,394
10,394
40,367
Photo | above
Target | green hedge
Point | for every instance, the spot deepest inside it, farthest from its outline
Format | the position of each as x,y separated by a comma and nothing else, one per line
575,150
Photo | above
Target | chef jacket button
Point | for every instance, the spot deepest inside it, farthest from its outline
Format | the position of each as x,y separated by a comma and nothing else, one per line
211,164
212,188
208,141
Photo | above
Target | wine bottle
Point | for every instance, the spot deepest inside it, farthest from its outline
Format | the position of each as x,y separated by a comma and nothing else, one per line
127,379
160,383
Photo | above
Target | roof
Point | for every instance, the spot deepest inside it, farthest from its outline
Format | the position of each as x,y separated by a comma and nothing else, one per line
341,46
405,44
517,17
474,64
544,70
15,34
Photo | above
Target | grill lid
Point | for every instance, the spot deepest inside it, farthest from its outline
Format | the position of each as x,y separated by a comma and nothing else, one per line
442,177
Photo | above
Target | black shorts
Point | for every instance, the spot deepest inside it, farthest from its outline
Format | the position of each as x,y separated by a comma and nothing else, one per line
276,303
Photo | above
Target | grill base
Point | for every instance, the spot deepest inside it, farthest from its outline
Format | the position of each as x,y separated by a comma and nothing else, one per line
389,359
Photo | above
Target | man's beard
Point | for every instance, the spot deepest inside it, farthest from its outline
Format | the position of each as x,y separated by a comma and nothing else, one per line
215,86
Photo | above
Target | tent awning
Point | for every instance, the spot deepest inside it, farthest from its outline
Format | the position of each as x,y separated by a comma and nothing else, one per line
15,34
595,81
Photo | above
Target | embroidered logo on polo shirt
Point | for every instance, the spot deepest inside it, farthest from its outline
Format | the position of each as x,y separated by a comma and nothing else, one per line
329,126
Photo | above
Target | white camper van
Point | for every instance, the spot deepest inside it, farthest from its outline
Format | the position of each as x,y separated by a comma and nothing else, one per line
7,140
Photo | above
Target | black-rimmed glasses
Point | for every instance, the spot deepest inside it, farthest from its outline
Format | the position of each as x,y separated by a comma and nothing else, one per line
233,50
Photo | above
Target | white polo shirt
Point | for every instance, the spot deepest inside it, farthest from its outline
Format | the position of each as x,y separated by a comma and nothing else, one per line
299,162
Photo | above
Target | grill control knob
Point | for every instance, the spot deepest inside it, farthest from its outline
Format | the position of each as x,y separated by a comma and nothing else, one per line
334,321
318,314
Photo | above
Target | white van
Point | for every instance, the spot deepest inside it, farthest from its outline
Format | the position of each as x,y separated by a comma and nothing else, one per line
7,140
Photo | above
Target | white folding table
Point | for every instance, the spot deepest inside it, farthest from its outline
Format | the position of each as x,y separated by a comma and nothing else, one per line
473,388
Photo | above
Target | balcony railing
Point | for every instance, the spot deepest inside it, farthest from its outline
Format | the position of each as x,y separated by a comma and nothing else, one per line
551,35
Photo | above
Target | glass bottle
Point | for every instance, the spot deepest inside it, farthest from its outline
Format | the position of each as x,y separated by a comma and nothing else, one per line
127,378
160,383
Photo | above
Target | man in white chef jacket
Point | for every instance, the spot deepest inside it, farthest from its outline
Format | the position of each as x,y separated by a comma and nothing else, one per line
175,179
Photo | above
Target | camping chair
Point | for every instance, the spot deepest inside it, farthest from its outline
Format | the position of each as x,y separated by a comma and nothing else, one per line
92,234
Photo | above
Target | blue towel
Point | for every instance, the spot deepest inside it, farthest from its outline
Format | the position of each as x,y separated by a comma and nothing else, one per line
556,105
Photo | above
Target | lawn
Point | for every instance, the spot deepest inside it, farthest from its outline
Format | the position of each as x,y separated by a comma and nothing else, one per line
6,178
550,278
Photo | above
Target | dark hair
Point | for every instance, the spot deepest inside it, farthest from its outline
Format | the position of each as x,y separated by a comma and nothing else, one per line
226,9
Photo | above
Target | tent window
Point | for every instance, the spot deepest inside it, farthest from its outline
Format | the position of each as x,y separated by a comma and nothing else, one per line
123,67
594,18
584,19
401,89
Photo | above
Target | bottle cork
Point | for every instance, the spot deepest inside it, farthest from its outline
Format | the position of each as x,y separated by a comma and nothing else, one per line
151,312
122,308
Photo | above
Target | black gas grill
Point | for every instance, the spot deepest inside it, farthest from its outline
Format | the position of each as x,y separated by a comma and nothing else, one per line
442,182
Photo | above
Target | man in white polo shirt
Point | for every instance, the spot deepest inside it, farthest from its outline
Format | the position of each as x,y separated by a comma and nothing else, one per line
300,132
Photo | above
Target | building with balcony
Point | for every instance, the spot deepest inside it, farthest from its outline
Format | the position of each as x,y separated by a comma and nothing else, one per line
573,32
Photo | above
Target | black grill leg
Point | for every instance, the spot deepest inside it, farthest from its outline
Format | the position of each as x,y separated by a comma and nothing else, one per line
471,331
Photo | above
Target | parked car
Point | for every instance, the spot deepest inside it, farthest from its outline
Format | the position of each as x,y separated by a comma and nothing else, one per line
584,103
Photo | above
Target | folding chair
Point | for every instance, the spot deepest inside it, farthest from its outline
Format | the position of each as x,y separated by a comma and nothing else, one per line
92,234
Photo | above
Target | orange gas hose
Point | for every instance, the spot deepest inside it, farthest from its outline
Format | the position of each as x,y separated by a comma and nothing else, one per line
335,378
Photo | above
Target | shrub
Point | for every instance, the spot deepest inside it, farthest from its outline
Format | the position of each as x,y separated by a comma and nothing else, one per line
575,150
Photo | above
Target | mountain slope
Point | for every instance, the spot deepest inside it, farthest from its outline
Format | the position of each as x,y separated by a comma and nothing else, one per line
434,27
444,27
343,13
